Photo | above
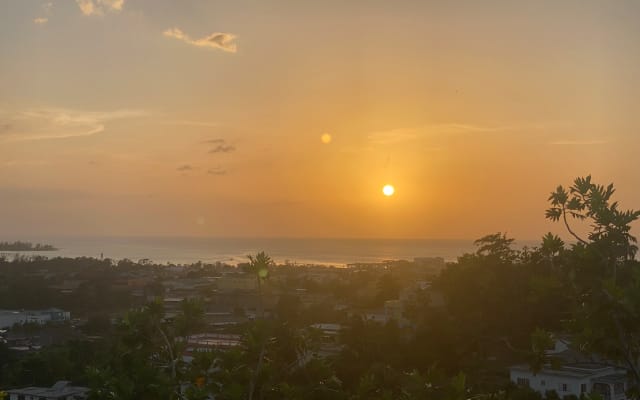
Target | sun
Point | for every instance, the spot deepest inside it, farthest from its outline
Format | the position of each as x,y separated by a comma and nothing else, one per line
388,190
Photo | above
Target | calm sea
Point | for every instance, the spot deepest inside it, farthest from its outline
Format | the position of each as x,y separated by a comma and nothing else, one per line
234,250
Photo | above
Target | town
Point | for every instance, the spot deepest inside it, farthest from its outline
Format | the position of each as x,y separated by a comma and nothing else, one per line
490,325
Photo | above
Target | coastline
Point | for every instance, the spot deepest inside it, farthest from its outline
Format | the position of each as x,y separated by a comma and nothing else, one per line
303,251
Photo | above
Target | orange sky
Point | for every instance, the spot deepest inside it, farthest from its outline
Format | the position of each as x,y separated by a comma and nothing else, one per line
141,117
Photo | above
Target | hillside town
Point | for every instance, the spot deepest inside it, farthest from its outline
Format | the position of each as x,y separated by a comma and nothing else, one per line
228,293
395,313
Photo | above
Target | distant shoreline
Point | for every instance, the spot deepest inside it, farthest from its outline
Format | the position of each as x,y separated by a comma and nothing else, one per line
26,246
181,250
188,250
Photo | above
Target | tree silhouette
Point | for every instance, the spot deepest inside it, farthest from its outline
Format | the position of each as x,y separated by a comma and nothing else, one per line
259,266
605,277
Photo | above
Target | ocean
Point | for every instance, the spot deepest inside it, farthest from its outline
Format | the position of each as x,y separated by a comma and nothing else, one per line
187,250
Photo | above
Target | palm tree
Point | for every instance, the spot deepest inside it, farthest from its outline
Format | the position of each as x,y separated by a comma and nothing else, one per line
259,266
552,246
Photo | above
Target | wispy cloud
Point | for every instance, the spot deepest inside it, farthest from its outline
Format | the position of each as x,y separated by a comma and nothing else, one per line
26,163
99,7
401,135
217,40
393,136
219,146
214,141
216,171
222,148
46,11
185,168
579,142
204,124
57,123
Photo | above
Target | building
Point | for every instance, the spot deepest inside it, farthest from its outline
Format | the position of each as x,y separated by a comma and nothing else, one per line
574,379
68,286
8,318
329,340
62,390
231,282
207,342
376,315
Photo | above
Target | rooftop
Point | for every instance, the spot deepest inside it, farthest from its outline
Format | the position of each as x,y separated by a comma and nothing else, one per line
577,370
614,378
61,389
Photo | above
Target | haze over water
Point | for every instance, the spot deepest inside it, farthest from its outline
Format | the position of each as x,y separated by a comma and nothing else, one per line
185,250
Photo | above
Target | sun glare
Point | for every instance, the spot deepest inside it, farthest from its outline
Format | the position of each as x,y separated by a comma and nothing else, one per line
388,190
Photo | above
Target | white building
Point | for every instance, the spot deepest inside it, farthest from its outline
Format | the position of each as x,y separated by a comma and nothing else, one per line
8,318
329,340
62,390
574,379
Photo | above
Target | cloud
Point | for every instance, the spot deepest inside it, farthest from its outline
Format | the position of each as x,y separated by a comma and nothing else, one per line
185,168
57,123
217,40
87,7
46,10
579,142
193,123
222,148
216,171
393,136
113,4
214,141
99,7
26,163
46,7
401,135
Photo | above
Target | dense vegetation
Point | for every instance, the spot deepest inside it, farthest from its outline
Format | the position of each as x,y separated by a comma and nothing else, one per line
25,246
501,306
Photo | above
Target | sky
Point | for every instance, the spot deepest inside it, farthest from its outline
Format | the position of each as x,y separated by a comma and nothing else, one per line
273,118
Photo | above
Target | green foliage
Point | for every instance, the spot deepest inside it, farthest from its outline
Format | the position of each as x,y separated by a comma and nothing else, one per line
597,396
23,287
51,364
259,265
611,227
523,393
147,361
551,395
191,317
388,289
552,245
497,295
496,246
541,342
25,246
603,275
